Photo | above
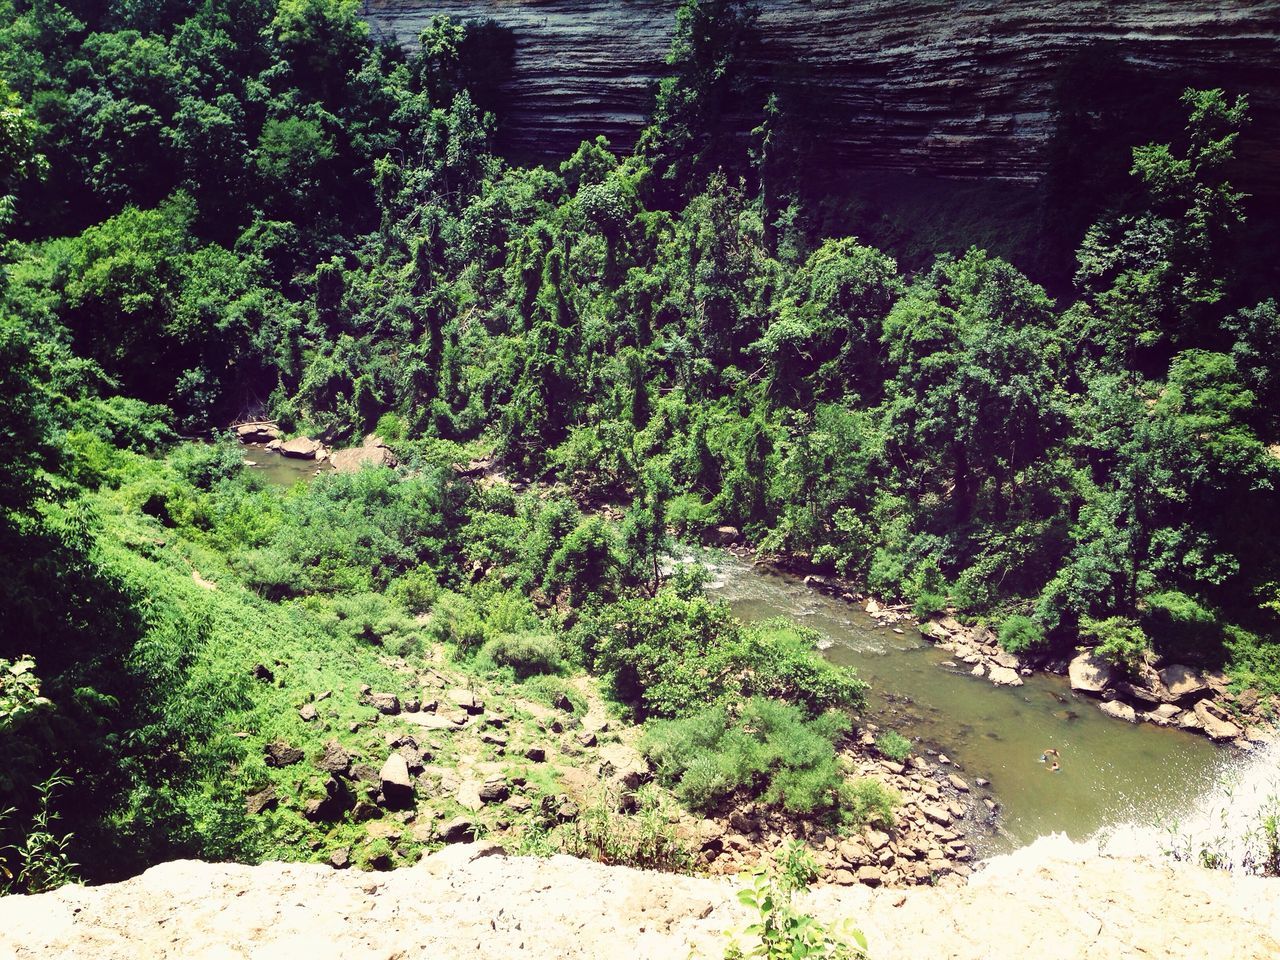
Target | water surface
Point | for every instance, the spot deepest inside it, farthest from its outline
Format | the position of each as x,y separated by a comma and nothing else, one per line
1112,772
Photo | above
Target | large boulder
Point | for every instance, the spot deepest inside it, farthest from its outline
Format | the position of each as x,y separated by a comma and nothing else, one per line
302,448
373,453
1119,710
1182,682
280,754
1090,674
261,432
397,785
1005,677
721,536
1214,721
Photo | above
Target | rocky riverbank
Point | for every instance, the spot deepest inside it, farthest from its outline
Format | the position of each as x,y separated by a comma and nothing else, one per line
1052,901
1165,694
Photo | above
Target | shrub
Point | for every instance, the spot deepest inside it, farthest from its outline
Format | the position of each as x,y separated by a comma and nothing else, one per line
645,840
870,801
894,745
455,619
417,590
1019,634
527,654
1179,624
205,464
549,690
770,749
929,602
1119,640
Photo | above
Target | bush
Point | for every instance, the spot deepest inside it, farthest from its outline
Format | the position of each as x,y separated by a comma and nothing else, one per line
548,689
1019,634
527,654
1119,641
929,602
417,590
894,746
870,801
1180,625
771,750
455,619
645,840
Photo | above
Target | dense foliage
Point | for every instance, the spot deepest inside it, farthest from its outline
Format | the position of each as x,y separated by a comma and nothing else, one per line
253,207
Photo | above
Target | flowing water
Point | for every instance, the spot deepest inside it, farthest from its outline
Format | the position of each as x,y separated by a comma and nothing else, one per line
1112,772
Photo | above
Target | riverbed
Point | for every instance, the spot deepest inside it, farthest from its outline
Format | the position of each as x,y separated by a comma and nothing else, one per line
1111,773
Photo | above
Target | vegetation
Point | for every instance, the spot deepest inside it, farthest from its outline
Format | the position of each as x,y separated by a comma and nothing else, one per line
253,208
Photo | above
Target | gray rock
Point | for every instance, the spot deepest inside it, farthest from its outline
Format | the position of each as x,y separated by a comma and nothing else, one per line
1005,677
1119,710
458,830
386,703
303,448
264,799
1214,721
340,859
280,754
308,712
397,786
467,700
535,754
1182,682
494,790
335,758
1090,673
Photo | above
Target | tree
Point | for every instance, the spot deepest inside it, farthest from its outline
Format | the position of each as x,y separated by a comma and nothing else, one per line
644,528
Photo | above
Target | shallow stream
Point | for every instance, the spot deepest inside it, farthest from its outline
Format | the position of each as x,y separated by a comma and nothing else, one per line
1112,772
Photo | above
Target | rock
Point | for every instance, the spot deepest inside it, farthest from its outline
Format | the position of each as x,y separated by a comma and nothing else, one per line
871,876
567,810
1119,710
262,672
586,738
264,799
1004,658
336,801
493,739
957,783
458,830
519,804
1005,677
562,702
263,431
280,754
466,700
1090,673
1182,682
982,782
374,453
1189,720
386,703
535,754
335,759
494,790
397,786
308,712
454,858
468,795
340,859
1163,714
1214,722
725,536
1248,700
303,448
979,670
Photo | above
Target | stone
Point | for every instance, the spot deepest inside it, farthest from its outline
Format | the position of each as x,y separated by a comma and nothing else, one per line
1089,673
340,859
385,703
335,758
1119,710
723,536
303,448
1248,699
436,721
567,810
262,431
336,801
374,453
982,782
396,784
1214,722
535,754
458,830
493,739
308,712
494,790
586,738
280,754
466,700
562,702
1163,714
364,772
1182,682
262,672
468,795
958,783
871,876
412,705
264,799
1005,677
519,804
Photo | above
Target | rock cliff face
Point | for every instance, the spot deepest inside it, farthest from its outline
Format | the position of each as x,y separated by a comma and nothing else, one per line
1051,901
953,88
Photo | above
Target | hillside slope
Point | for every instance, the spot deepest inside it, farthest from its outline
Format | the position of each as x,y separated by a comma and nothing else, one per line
1051,900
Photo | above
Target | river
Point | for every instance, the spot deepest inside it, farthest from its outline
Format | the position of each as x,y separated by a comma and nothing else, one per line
1113,773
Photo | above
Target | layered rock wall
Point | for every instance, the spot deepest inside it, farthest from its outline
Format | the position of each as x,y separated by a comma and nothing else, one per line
954,88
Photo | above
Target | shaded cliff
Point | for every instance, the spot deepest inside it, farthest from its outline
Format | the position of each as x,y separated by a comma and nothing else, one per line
966,88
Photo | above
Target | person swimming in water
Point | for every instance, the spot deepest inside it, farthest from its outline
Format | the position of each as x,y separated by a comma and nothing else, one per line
1051,752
